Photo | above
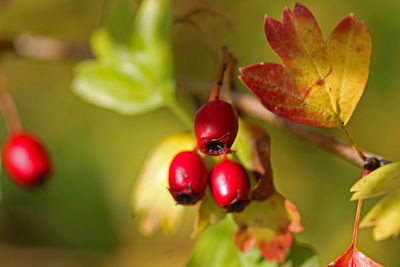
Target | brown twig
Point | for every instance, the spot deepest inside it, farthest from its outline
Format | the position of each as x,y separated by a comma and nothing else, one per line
214,94
251,106
40,47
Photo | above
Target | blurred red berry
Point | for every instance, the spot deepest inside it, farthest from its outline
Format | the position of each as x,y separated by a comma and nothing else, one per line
216,126
25,159
187,177
230,185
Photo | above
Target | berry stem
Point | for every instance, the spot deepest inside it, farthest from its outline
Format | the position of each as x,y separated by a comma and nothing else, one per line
357,219
356,222
8,108
214,94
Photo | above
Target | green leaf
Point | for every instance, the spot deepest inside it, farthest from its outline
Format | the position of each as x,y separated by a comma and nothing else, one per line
114,89
116,29
151,201
133,72
381,181
215,248
385,215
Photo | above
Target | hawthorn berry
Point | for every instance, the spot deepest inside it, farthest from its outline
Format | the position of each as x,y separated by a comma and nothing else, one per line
25,160
188,177
215,126
230,185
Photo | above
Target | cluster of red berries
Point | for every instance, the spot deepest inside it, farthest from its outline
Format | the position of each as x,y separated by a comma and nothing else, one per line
25,160
215,126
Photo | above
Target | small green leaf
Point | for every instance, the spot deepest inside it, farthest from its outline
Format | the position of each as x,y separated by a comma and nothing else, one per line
383,180
151,201
215,248
116,29
384,215
112,89
133,72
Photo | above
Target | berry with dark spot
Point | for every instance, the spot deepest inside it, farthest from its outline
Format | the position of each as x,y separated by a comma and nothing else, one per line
188,177
216,126
230,185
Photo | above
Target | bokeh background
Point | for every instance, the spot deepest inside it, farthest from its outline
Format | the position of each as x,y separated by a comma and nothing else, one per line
83,216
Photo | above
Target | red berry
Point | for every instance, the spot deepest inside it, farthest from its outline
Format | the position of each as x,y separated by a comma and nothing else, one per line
187,177
230,185
216,126
25,159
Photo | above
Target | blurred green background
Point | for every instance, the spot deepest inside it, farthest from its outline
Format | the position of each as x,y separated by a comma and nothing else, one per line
83,216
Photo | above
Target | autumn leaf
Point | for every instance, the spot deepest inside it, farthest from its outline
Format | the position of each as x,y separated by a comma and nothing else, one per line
319,82
267,222
385,215
269,225
354,257
151,201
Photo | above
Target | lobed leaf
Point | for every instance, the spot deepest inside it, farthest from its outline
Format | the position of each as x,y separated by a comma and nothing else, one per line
268,224
319,82
151,201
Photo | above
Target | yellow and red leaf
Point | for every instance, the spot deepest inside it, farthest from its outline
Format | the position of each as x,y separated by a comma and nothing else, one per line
319,82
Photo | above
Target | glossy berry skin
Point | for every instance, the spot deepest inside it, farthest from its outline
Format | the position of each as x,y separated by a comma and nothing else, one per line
230,185
25,160
216,126
188,177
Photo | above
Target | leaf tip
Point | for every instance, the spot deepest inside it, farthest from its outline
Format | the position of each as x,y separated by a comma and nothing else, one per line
297,5
300,8
286,12
355,196
354,188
